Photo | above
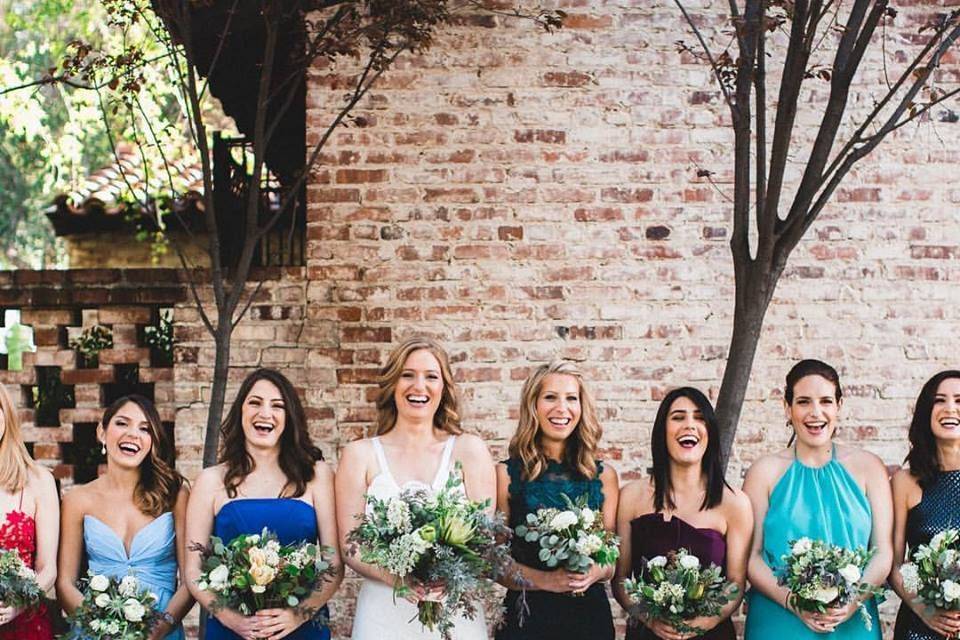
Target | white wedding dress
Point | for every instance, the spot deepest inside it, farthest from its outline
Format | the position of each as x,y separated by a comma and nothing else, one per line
377,616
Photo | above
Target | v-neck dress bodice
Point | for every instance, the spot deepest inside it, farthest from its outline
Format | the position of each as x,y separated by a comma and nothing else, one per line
152,557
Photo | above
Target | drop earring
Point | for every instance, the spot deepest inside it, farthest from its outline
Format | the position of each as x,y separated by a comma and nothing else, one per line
103,448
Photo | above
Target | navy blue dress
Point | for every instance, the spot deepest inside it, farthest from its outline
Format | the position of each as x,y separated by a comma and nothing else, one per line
293,521
938,509
553,616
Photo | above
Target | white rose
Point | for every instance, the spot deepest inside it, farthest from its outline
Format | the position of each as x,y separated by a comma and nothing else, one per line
801,546
589,544
112,627
948,558
133,610
219,576
563,520
102,600
588,517
689,562
911,577
951,590
657,561
128,586
826,595
938,539
851,573
99,583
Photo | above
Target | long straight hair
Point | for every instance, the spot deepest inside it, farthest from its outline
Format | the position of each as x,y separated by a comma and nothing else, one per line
159,483
711,467
297,453
581,446
15,460
922,458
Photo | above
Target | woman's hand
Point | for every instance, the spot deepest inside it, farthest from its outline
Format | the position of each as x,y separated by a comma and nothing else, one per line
7,614
279,623
580,582
418,591
556,581
946,623
825,622
667,631
160,630
247,627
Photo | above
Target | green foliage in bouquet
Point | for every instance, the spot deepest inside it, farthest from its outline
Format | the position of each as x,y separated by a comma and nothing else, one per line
113,609
254,572
18,582
444,540
675,588
934,571
573,538
822,576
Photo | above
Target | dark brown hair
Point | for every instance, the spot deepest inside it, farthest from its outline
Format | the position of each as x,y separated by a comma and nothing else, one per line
297,453
922,458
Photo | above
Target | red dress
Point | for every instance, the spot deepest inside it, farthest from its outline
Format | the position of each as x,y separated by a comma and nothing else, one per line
19,531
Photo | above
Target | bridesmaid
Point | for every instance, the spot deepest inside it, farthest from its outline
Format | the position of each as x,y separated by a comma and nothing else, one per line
685,504
29,523
820,490
419,440
554,453
269,476
926,499
130,519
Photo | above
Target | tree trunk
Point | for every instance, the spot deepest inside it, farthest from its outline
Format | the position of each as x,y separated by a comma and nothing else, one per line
747,324
218,392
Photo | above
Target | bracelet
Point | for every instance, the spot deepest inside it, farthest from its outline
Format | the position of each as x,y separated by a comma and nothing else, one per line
167,617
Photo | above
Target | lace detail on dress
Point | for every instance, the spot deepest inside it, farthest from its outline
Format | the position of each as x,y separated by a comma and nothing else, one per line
19,531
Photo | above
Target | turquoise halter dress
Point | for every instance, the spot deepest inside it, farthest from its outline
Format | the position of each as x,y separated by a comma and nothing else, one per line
821,503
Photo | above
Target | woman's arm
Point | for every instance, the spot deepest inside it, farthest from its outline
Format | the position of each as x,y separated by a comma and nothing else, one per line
350,487
881,504
70,555
199,528
611,498
47,519
520,576
479,474
757,486
181,602
627,509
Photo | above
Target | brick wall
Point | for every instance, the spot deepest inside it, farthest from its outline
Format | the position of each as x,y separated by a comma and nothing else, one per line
522,195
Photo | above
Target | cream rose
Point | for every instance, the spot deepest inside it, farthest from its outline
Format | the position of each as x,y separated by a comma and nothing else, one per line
99,583
133,610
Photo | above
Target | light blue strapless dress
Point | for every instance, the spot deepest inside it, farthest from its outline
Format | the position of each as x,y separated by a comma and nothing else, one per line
293,521
821,503
152,559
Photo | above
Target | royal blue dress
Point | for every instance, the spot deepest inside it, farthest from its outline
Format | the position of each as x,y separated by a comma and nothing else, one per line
293,521
820,503
152,559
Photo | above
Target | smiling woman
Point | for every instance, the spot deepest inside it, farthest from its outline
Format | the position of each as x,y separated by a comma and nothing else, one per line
130,518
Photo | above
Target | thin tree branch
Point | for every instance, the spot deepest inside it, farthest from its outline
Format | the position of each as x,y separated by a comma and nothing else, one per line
713,62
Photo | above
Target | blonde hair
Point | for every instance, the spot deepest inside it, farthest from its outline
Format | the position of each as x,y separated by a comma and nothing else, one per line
447,417
15,460
581,446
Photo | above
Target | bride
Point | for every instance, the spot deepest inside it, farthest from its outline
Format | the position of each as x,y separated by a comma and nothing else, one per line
418,441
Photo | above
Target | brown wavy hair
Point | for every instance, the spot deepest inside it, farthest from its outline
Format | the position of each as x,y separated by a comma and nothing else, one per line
159,483
447,417
298,455
15,460
581,447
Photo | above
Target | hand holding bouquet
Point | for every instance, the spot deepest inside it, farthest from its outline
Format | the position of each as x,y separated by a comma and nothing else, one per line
254,572
676,589
573,539
18,582
445,542
113,610
934,571
823,576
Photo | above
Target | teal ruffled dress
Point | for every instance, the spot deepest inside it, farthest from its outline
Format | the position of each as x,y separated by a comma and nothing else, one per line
821,503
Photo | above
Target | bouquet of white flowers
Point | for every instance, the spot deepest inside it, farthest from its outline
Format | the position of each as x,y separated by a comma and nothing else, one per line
573,538
113,609
821,575
255,571
18,582
675,588
444,541
934,571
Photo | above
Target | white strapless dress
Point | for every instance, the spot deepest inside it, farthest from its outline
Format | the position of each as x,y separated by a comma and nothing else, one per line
377,616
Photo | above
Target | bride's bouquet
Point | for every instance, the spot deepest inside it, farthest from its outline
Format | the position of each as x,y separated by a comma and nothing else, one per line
572,538
676,589
254,571
445,541
821,576
934,571
18,582
113,609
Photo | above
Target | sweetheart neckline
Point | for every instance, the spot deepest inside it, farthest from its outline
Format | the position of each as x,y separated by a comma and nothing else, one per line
133,540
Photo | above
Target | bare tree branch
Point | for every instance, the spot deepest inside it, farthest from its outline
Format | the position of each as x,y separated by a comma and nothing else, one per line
710,57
